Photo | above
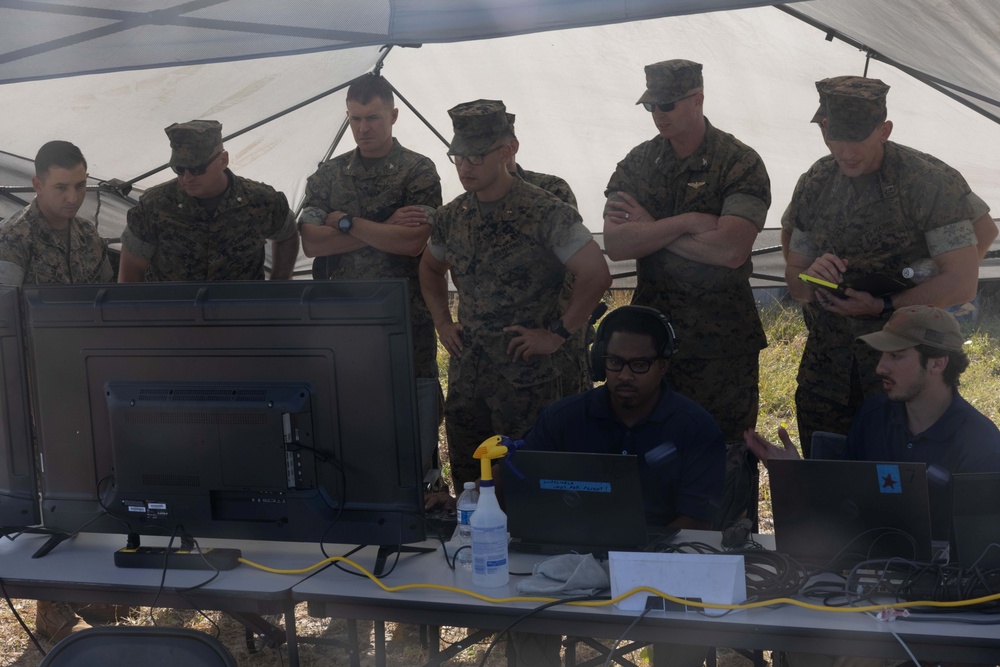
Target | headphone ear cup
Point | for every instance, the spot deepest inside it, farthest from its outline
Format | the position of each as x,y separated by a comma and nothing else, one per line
597,373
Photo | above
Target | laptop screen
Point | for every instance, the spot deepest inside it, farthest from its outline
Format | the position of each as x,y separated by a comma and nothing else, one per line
575,501
839,513
975,510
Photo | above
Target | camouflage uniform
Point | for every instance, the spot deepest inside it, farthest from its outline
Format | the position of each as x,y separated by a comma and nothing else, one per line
577,343
711,308
509,267
402,178
183,241
40,256
910,208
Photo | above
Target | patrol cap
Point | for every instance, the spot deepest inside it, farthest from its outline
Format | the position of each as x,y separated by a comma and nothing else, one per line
193,143
917,325
478,125
670,80
510,121
854,105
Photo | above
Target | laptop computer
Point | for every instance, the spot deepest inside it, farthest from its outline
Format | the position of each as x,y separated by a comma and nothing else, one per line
836,514
975,520
564,502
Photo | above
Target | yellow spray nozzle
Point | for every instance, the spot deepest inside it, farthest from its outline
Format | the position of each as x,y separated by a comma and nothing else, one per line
489,449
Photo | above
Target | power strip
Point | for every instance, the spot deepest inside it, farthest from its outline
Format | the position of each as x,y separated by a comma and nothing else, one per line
178,559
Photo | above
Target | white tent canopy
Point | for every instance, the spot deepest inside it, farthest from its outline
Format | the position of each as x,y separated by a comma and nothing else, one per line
573,90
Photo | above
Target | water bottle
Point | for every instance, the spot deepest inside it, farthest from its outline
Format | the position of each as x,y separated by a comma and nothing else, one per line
489,540
921,270
466,506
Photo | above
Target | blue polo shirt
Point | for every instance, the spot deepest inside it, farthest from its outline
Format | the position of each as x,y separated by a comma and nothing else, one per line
962,440
681,451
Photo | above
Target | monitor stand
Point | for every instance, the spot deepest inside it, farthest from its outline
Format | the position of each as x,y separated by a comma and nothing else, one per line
56,537
385,551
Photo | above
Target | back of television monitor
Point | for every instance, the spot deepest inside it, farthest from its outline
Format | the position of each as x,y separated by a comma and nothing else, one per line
18,492
252,410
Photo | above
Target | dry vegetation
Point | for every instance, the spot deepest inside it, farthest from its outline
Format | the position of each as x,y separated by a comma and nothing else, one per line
778,365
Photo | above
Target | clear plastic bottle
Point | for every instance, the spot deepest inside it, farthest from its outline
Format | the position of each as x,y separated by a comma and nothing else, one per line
467,503
921,270
489,540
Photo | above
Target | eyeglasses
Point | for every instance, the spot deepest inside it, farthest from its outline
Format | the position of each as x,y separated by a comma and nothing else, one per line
474,160
200,169
638,366
648,106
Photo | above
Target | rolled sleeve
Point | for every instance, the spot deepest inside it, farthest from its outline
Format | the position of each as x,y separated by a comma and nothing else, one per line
950,237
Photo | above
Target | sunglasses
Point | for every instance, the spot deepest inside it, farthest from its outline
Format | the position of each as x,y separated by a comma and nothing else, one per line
669,106
200,169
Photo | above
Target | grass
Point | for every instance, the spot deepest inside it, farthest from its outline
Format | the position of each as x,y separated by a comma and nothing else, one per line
779,362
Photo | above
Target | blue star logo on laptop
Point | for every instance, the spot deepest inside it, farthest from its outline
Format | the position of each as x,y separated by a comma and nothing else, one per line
888,478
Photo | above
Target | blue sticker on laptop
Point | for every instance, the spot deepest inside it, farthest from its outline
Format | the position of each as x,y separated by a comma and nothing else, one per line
889,480
573,485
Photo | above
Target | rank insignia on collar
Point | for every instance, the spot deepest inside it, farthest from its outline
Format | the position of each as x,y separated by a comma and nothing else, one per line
698,184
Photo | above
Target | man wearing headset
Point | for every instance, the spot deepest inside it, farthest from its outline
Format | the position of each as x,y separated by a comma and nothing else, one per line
682,454
680,447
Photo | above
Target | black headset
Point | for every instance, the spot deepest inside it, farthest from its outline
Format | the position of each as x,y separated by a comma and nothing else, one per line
600,346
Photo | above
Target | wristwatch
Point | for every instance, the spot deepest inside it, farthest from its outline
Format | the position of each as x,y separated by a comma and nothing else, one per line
557,327
345,224
887,307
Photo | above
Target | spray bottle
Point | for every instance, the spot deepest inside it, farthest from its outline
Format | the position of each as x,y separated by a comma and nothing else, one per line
489,523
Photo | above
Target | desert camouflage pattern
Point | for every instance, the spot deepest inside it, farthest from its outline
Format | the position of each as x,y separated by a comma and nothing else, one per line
478,125
193,143
509,268
854,106
711,308
182,241
577,343
403,178
909,209
670,80
32,253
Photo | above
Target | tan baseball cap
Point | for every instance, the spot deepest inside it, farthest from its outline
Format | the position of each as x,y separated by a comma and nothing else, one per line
917,325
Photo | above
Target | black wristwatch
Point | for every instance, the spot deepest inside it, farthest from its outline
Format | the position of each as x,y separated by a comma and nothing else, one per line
557,327
345,224
887,307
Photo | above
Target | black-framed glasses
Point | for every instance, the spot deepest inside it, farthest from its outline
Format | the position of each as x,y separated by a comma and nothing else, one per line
638,366
669,106
200,169
474,160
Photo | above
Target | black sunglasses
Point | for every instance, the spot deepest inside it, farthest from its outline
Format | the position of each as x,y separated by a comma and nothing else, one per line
199,170
669,106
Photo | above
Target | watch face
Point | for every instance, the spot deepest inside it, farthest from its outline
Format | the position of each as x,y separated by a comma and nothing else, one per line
345,224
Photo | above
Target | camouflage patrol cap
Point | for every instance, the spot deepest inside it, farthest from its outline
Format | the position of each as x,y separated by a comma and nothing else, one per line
854,105
510,121
670,80
478,125
917,325
194,142
819,115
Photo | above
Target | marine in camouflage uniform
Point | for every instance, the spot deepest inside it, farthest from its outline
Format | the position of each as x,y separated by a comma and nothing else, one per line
706,295
32,253
878,219
577,344
176,235
508,244
45,242
403,178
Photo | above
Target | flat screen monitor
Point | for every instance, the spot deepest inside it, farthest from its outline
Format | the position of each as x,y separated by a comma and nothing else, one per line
18,494
250,410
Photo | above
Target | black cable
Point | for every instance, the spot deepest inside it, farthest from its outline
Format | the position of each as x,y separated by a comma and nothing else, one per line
10,603
621,638
529,614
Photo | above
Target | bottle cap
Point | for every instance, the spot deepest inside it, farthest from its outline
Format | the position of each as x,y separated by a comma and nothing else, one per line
468,486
